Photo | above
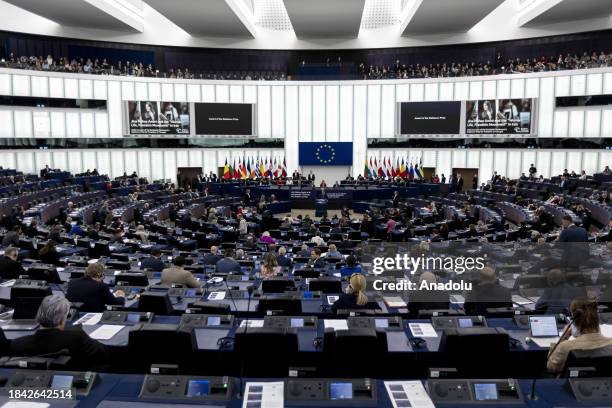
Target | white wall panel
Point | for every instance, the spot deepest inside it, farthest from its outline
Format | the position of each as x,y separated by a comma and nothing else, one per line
431,92
517,88
562,86
544,164
532,88
115,108
87,124
22,123
118,163
444,163
167,92
558,163
144,163
75,162
250,94
503,88
101,124
210,161
373,109
486,166
193,93
359,128
461,91
529,158
58,124
5,84
6,119
489,90
154,92
332,113
100,89
60,159
417,92
305,113
71,88
515,166
131,161
222,93
41,159
576,123
180,92
56,87
561,124
446,91
21,85
142,91
182,158
346,113
459,158
40,86
90,160
103,160
594,84
402,93
578,85
127,91
574,161
73,124
546,108
170,165
500,161
7,159
607,83
208,93
25,161
606,123
195,158
387,113
318,113
589,162
157,168
236,94
86,88
475,90
264,110
277,111
592,123
292,119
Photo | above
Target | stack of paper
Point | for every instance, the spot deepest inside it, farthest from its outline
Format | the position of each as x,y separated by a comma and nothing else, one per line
408,394
264,394
216,296
106,332
394,301
336,324
422,330
89,319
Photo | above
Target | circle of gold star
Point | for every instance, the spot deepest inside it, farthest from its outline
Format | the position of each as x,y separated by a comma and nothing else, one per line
332,153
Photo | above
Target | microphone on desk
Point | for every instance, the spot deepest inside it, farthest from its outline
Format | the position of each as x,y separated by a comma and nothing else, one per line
578,313
250,290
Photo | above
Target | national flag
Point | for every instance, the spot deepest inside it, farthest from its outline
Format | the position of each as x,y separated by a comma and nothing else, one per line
252,167
243,170
236,169
366,169
262,169
378,168
275,168
403,173
284,169
411,172
226,172
389,168
419,169
231,171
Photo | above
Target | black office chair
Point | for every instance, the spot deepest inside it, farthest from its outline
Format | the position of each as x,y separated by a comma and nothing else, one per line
288,305
160,344
307,273
472,350
266,351
155,302
132,279
277,285
44,272
325,285
341,346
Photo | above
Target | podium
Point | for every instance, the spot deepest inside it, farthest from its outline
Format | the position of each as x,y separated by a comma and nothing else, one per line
320,207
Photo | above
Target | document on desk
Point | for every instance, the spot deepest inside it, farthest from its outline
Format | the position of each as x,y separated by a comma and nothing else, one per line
405,394
252,323
394,301
544,342
521,301
336,324
8,283
89,319
264,394
606,330
106,332
216,295
422,330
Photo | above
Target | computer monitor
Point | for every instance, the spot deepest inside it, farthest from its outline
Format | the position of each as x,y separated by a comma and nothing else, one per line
198,388
61,382
340,390
543,326
485,391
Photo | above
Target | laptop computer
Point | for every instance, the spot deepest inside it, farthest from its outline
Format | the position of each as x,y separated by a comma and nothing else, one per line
543,330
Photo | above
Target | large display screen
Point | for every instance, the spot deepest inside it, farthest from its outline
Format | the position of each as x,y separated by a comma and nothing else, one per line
231,119
430,118
158,118
499,116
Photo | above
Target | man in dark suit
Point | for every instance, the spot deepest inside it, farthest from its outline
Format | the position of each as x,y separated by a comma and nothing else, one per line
316,261
282,258
571,232
557,297
396,199
10,268
564,184
92,291
345,243
53,337
459,183
487,294
154,262
228,264
212,258
246,199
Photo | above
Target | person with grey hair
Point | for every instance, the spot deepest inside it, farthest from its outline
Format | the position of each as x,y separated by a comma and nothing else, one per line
10,268
92,291
53,338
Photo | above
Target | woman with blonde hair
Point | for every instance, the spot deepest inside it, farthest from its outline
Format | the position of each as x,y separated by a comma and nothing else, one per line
270,266
355,296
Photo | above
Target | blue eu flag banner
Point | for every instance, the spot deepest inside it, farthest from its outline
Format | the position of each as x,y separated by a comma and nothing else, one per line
326,154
